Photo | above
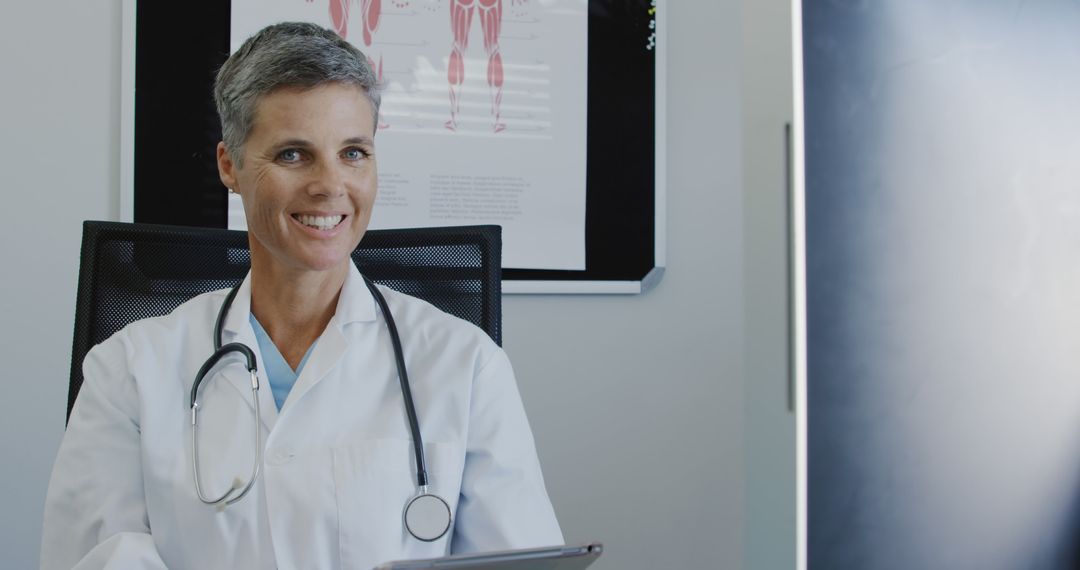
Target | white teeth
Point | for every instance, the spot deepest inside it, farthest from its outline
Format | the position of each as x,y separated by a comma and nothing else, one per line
319,222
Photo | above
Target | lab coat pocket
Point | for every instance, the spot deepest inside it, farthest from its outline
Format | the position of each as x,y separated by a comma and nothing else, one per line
373,481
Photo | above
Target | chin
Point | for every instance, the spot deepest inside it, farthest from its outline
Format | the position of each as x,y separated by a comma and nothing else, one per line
328,263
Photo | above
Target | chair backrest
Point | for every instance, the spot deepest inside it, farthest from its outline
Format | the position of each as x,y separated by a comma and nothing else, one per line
134,271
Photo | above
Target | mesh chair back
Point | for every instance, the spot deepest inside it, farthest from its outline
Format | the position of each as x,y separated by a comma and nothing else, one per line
135,271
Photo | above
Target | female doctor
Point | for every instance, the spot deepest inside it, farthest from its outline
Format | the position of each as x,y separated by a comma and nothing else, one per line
326,480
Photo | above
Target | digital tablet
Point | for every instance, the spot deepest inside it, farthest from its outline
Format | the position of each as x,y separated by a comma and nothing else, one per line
570,557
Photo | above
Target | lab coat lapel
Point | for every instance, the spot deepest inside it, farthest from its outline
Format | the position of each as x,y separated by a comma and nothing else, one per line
355,304
238,329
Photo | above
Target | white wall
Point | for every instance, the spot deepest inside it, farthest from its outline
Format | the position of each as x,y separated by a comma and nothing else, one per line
636,402
59,153
769,423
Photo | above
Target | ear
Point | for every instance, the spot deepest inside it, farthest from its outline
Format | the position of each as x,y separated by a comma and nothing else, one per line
226,167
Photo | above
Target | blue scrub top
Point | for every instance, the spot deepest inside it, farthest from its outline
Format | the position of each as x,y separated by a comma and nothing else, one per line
281,376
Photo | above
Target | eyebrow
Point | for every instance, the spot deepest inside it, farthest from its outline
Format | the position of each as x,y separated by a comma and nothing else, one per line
303,143
292,142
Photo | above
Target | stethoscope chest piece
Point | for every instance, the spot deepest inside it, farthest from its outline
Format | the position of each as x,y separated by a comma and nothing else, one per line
427,517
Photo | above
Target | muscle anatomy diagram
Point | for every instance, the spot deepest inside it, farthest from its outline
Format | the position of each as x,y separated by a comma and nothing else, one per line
485,101
370,12
461,13
489,12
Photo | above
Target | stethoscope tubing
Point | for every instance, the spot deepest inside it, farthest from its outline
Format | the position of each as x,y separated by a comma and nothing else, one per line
220,351
406,391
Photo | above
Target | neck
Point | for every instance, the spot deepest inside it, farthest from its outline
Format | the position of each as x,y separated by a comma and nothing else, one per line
294,306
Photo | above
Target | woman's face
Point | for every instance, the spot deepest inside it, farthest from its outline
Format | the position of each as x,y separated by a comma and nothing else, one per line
308,176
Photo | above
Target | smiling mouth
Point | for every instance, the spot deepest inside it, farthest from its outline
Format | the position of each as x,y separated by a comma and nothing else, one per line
319,222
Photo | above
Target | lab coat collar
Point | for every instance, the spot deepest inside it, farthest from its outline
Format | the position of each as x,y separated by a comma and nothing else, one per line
238,319
355,304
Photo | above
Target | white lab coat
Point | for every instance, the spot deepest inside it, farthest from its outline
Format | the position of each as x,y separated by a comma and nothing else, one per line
338,463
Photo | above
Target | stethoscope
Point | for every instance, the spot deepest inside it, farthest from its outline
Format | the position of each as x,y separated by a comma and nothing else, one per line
426,516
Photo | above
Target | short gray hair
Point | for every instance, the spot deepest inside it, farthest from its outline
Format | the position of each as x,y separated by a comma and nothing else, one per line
290,54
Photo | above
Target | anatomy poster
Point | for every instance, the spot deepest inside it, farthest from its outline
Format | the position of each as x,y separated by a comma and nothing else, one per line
483,117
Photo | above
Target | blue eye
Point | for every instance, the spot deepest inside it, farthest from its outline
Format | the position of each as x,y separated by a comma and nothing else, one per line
354,154
289,155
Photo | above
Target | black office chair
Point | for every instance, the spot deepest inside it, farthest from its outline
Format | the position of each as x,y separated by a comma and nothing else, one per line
134,271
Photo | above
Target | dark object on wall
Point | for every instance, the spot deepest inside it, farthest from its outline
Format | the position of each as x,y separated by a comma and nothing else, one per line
176,132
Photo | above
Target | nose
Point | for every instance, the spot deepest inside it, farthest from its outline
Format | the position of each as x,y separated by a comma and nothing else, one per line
327,181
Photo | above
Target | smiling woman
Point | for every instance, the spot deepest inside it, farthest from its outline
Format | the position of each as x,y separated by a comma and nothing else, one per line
308,180
330,485
299,149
